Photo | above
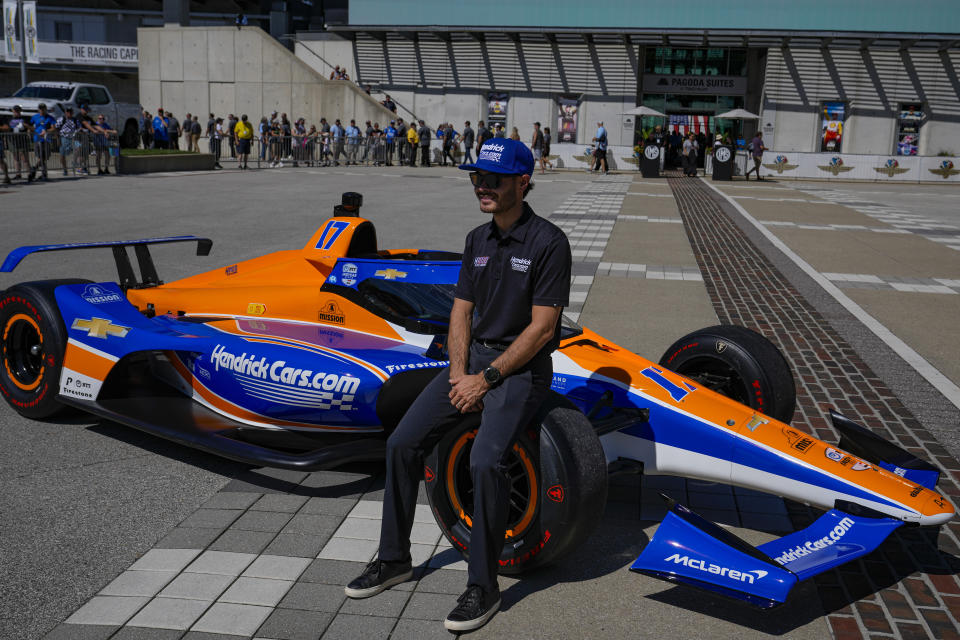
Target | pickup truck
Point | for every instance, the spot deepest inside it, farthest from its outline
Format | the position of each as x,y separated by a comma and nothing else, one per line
122,116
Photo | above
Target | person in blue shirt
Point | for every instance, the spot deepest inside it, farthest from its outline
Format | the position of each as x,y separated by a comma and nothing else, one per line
353,142
161,137
389,135
601,152
44,127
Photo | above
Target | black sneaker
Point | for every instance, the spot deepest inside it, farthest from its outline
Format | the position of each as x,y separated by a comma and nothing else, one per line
476,608
377,577
32,175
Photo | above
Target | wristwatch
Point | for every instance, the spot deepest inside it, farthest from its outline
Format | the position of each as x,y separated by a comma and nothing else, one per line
492,376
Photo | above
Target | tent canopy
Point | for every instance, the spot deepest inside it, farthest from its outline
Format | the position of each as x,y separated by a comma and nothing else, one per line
738,114
644,111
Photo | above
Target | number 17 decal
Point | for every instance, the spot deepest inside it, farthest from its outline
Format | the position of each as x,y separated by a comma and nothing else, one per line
676,392
333,229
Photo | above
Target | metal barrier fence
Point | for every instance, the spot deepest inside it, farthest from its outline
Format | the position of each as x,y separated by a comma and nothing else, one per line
82,153
318,151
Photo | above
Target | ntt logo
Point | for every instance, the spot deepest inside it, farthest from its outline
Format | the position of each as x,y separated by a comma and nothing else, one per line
717,570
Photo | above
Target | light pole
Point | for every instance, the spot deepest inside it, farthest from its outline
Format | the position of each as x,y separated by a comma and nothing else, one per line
23,44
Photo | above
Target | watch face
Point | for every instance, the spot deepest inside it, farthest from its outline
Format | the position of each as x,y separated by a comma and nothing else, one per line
651,151
491,375
722,154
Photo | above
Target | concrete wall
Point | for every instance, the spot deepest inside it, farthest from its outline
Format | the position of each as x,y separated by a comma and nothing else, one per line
224,70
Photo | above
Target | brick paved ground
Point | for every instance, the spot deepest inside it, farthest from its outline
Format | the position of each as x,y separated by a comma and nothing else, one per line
908,587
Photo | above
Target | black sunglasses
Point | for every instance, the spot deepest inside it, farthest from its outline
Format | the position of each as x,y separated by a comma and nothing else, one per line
487,180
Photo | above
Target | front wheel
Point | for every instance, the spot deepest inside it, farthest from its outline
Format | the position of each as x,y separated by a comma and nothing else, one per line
558,486
33,340
738,363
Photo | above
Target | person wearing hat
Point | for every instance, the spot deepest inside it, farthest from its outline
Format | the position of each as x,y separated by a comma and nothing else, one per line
505,323
43,126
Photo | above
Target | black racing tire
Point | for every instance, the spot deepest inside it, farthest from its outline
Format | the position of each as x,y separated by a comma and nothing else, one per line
33,340
738,363
558,475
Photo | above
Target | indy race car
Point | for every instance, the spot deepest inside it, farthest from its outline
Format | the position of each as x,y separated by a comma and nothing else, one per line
308,358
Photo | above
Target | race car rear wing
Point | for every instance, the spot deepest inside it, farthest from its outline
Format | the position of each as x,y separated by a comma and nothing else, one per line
127,279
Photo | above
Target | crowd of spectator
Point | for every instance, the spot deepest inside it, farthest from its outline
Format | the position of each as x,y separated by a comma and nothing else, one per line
74,136
277,139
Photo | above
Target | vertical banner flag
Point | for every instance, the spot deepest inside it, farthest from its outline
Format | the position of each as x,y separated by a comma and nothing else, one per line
10,30
30,31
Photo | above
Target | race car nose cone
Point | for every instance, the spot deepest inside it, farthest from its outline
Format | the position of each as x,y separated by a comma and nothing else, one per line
937,510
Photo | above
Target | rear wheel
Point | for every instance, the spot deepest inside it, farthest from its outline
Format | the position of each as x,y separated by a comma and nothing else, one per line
32,344
738,363
558,486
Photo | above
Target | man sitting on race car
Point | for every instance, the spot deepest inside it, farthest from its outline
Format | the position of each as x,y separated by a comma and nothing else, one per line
516,275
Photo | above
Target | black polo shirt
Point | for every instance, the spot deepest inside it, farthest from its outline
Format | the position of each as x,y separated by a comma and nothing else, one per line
505,274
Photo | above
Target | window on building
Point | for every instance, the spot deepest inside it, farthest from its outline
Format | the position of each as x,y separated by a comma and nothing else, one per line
63,31
700,61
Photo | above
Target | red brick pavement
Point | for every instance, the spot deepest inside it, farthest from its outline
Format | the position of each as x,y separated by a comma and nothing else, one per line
901,590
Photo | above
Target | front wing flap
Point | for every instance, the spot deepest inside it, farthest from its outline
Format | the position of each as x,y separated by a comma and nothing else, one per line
691,550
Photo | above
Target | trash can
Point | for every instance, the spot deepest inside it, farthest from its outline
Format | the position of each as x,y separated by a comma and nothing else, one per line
650,161
722,162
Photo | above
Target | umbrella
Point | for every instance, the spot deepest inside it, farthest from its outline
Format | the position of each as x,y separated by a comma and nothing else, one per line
739,114
644,111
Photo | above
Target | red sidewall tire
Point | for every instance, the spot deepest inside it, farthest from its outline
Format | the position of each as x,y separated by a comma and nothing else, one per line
32,344
565,498
738,363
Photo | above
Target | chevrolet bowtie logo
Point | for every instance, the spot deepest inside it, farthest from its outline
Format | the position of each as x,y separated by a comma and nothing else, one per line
100,328
391,274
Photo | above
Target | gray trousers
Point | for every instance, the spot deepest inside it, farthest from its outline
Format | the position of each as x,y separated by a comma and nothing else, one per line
507,408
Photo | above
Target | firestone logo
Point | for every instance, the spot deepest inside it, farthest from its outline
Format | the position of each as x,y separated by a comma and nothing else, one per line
702,565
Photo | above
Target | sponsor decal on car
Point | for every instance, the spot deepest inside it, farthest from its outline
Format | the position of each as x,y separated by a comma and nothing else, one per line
847,461
77,385
390,274
331,313
811,546
100,328
231,270
708,567
278,371
256,308
95,294
349,274
799,441
427,364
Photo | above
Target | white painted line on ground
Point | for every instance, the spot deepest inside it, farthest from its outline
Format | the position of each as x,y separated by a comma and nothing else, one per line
933,375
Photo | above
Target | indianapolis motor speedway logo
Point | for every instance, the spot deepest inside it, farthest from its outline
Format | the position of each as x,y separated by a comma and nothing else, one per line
836,166
945,170
891,168
781,164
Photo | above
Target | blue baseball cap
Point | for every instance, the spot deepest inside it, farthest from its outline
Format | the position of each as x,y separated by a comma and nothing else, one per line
503,155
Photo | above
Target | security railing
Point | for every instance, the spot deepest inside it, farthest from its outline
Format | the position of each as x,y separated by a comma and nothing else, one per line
80,153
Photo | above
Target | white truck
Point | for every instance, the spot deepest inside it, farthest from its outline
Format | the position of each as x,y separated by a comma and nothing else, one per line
122,116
